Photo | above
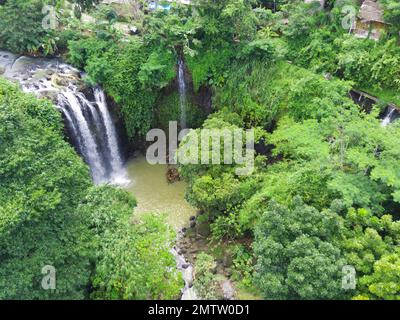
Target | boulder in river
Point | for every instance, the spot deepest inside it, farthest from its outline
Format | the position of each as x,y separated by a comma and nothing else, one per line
228,290
60,80
173,175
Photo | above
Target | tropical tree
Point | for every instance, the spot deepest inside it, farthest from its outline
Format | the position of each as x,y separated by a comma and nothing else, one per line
297,255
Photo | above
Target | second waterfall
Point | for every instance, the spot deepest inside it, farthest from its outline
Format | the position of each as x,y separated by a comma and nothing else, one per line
182,92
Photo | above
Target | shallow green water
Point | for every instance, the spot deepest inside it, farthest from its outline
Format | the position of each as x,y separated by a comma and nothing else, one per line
155,194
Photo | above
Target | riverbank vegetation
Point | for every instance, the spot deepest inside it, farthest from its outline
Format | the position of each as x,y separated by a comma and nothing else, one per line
325,192
52,215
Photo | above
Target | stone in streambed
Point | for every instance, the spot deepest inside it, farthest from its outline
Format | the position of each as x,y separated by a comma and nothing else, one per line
228,290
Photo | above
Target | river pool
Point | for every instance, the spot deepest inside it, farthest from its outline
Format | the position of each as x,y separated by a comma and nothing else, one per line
155,195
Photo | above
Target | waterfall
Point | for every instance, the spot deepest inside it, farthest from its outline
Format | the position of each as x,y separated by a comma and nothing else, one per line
94,132
388,116
182,92
118,172
86,116
88,147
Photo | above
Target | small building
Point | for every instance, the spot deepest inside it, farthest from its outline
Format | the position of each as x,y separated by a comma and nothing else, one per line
370,22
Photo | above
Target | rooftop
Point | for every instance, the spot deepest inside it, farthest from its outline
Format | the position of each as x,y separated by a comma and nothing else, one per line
371,11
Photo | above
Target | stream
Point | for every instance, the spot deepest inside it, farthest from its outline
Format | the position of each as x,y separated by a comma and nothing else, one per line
154,194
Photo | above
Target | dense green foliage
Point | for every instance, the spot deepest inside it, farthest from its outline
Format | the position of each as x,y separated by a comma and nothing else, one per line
41,183
133,259
331,156
325,190
297,258
323,163
21,28
51,214
317,39
111,66
205,282
32,26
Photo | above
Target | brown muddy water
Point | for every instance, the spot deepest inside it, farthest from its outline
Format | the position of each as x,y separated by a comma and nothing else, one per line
155,195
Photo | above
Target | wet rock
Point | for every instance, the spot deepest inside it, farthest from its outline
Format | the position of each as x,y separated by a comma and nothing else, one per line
173,175
328,76
73,73
133,30
193,224
49,94
50,72
220,269
228,290
192,218
2,70
63,80
185,266
198,237
184,230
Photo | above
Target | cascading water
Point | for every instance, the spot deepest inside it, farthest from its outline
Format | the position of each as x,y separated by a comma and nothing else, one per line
182,92
389,116
88,121
69,103
188,292
116,163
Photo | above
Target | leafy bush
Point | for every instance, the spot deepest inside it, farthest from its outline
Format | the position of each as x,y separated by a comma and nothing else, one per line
21,29
297,257
136,263
371,246
204,280
242,265
42,181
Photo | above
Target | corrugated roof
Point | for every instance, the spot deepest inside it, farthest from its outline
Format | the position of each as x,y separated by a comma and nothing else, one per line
371,11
